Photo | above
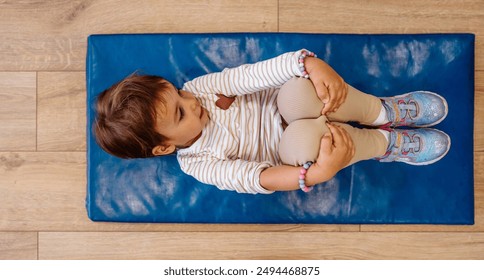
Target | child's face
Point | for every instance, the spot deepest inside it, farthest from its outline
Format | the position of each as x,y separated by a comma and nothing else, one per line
183,119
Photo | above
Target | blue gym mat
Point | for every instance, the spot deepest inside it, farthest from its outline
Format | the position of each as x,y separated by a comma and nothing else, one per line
155,190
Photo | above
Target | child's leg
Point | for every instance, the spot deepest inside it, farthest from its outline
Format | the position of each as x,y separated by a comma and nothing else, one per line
297,99
414,109
301,140
369,143
300,143
359,107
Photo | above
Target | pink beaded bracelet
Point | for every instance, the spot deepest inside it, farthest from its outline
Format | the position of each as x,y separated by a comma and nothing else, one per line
302,56
302,177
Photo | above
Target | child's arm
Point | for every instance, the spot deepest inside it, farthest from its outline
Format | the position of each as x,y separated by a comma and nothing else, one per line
330,86
248,78
335,153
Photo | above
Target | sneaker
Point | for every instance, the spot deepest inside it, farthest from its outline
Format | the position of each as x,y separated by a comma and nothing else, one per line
415,109
416,147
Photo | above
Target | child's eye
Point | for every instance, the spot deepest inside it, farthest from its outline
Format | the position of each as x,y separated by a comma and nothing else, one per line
182,113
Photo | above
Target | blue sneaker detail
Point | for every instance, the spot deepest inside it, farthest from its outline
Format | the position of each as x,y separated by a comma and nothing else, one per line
415,109
416,147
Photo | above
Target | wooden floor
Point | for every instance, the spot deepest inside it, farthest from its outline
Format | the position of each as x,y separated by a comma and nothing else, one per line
42,124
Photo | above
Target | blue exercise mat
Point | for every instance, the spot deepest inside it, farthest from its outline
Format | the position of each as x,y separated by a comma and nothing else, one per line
155,190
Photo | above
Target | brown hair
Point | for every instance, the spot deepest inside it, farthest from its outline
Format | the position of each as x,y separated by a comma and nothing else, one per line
126,116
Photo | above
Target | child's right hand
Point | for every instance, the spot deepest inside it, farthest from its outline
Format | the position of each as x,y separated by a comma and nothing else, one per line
336,150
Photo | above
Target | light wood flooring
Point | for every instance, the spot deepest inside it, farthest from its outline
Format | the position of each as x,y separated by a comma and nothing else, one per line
42,124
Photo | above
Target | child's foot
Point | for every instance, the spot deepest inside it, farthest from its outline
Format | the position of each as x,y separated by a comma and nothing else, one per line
415,109
416,147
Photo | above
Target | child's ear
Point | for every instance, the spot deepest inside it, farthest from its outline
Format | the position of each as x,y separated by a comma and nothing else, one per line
162,150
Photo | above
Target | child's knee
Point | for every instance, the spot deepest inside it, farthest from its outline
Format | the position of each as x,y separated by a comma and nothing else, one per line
301,140
297,99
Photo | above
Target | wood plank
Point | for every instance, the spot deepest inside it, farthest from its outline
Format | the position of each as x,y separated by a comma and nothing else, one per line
45,191
52,35
17,111
386,16
41,190
61,111
256,245
18,245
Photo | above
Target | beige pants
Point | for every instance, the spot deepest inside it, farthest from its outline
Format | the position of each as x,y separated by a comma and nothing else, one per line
301,108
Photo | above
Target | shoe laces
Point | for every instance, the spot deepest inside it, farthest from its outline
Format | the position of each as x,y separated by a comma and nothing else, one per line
410,143
407,109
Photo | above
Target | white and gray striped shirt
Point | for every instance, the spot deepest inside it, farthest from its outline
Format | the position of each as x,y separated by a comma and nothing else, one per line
239,143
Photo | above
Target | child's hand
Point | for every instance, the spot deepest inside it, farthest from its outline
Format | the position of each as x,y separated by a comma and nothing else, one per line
336,150
330,87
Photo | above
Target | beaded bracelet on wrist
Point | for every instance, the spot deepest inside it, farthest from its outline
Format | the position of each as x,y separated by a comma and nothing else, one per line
302,56
302,177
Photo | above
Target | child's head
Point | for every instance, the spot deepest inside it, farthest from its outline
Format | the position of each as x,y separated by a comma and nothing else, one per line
145,116
127,112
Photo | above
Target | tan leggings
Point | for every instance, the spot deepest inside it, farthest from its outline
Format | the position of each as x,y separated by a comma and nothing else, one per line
301,108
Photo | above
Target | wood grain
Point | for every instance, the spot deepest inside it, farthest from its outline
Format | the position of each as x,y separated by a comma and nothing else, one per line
61,111
257,245
17,111
393,16
41,190
52,35
18,245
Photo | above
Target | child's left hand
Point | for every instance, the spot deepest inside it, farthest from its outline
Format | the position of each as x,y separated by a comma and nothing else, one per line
330,87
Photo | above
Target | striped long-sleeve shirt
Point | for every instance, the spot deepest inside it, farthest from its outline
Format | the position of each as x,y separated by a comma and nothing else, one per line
237,144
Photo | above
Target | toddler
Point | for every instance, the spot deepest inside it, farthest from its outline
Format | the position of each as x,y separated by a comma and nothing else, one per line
258,129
